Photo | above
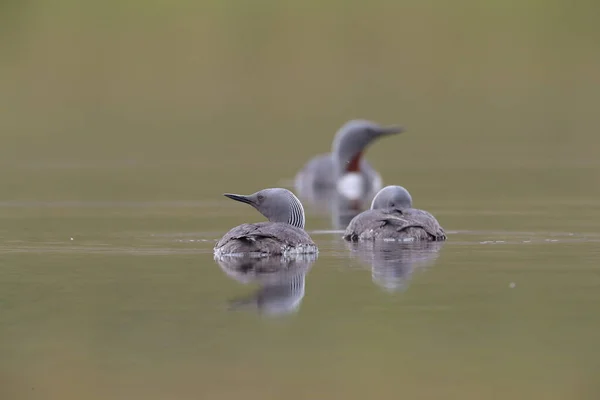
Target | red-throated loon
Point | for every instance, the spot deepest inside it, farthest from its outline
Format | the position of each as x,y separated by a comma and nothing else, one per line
345,169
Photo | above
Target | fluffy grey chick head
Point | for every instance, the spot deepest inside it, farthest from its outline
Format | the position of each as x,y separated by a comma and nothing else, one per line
392,197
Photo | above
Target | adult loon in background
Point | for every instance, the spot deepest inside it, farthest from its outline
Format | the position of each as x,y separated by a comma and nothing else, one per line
392,217
283,234
345,169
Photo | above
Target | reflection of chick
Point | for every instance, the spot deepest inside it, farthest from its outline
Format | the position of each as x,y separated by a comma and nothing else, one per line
392,263
281,280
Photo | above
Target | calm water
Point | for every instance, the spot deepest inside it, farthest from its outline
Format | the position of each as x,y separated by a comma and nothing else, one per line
119,136
131,310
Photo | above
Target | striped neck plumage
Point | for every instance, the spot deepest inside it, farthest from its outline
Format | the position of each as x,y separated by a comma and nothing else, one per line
296,212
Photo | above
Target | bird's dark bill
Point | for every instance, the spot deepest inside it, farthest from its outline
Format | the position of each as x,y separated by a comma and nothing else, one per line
238,197
389,130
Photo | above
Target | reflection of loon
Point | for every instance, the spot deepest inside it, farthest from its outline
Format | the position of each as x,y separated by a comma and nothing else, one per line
281,280
392,263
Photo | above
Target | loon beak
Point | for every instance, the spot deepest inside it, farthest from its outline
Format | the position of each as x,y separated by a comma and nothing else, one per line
240,198
390,130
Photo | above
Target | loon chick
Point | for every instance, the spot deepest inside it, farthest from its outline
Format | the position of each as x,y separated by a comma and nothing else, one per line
392,217
345,169
283,234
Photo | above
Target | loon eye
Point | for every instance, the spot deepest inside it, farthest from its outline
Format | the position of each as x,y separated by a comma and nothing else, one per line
260,197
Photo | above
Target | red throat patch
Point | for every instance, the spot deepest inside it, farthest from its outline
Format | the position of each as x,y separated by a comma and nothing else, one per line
353,165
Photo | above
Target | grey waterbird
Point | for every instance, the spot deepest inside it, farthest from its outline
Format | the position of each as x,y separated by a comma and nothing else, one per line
345,169
283,234
392,217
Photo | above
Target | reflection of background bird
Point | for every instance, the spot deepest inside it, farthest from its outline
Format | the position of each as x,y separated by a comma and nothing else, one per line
342,209
281,280
392,263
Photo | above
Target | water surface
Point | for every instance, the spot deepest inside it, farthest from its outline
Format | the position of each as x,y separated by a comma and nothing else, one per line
133,311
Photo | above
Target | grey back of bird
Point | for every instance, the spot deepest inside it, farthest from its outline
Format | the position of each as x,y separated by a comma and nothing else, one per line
283,233
392,217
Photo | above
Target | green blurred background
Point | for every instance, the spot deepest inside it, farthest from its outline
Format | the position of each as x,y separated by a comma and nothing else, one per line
121,120
181,100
